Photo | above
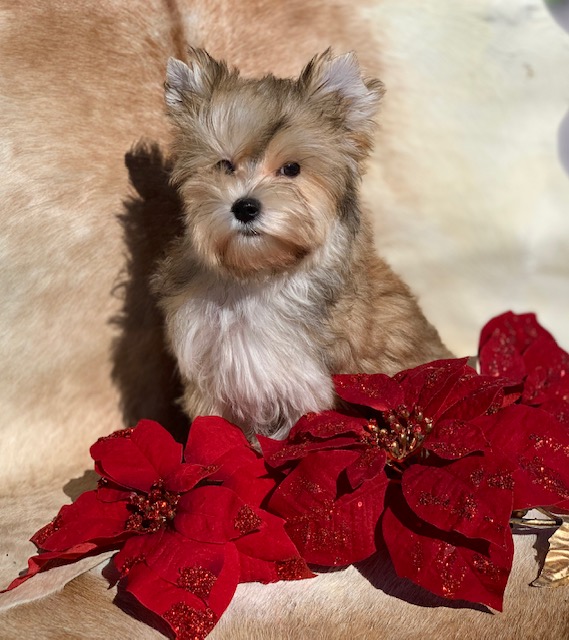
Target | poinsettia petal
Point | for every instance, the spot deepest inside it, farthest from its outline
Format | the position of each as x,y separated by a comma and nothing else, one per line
377,391
214,441
50,559
135,550
108,491
473,396
559,409
315,432
327,424
280,457
430,387
452,439
214,514
368,465
538,446
472,496
270,543
544,384
185,477
503,341
548,372
137,461
267,571
224,587
86,520
326,529
522,329
446,564
208,571
499,357
252,483
270,555
184,612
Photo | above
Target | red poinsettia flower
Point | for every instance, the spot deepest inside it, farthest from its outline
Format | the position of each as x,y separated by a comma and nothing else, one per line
519,348
188,531
412,464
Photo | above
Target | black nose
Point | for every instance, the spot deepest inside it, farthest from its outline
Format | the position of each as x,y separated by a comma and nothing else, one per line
246,209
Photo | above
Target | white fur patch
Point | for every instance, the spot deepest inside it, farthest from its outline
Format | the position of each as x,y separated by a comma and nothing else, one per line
247,347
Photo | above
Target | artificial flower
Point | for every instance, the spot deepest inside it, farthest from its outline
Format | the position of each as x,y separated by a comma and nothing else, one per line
408,461
188,530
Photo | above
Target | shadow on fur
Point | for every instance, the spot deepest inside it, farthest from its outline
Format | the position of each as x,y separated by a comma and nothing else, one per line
143,370
76,486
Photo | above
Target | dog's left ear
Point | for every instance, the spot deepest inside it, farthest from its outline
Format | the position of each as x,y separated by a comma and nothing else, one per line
326,74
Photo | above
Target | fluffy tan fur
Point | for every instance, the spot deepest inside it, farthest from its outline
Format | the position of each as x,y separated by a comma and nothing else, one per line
261,311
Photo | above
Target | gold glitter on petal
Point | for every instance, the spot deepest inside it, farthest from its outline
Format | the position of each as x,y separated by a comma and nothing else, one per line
129,563
291,569
121,433
45,532
198,580
247,520
189,623
451,573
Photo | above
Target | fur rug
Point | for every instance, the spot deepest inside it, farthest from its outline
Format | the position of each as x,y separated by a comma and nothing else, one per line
469,194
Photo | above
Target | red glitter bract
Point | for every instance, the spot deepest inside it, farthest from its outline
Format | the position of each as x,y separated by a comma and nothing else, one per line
121,433
329,528
446,563
291,569
246,520
189,623
197,580
45,532
129,563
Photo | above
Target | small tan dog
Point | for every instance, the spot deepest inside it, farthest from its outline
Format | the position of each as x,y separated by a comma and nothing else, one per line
276,284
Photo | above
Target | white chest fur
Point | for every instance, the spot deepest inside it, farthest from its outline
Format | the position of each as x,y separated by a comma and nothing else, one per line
250,351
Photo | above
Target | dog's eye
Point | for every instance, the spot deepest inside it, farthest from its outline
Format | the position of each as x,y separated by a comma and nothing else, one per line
290,169
226,166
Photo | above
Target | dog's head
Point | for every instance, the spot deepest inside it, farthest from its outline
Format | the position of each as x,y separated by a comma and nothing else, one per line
266,168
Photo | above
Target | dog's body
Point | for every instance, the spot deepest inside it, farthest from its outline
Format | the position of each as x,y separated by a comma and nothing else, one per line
276,284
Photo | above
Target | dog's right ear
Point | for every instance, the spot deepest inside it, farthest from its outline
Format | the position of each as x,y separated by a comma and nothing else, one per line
187,82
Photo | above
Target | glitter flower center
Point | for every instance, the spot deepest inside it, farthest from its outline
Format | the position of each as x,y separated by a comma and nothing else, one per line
403,432
151,511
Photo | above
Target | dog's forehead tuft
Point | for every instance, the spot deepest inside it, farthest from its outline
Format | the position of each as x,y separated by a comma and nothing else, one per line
245,116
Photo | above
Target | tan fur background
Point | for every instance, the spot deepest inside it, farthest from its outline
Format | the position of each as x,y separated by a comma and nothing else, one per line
471,204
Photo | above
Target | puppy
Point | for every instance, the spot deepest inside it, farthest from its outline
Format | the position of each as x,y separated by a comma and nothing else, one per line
275,284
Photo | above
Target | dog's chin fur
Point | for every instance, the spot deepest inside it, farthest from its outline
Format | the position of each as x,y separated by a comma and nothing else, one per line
260,313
